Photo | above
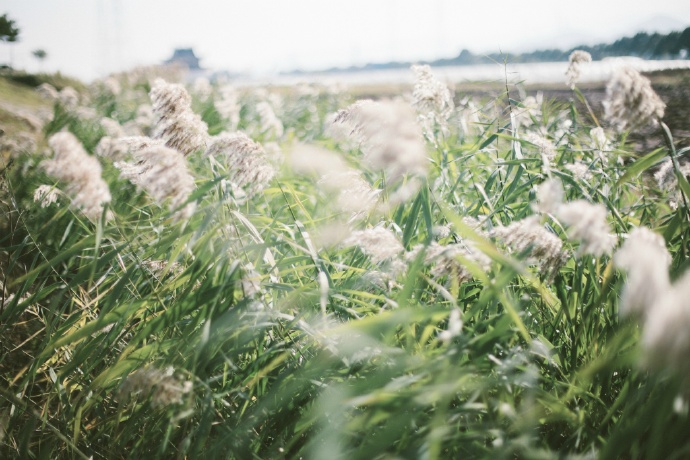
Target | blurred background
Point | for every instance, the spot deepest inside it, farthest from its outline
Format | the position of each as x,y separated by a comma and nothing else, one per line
89,39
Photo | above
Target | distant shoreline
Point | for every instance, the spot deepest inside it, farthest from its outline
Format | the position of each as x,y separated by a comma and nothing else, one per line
527,73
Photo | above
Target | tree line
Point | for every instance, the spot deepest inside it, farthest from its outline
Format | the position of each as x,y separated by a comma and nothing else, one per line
644,45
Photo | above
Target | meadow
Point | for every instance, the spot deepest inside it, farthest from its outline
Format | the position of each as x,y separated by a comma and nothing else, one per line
203,270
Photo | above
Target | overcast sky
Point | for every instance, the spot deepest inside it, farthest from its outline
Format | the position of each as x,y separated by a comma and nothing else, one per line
90,38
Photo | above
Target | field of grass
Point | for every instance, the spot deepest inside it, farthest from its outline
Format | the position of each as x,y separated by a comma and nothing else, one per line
286,273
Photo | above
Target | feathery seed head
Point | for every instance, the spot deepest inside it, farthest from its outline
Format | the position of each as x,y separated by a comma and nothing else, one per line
599,139
546,146
270,124
668,182
393,140
433,101
379,243
250,281
162,172
587,224
120,148
429,94
145,118
665,336
545,248
228,105
176,123
354,194
80,172
344,124
631,102
645,258
69,97
112,128
550,196
445,260
579,170
48,91
163,386
112,86
46,195
312,160
390,136
202,88
576,58
246,161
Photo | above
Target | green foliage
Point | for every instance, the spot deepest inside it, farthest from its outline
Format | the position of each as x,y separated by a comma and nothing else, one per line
39,54
8,31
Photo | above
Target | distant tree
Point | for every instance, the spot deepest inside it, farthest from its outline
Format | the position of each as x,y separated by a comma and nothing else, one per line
684,42
41,55
8,32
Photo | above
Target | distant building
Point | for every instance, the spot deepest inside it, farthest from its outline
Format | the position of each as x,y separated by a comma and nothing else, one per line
185,57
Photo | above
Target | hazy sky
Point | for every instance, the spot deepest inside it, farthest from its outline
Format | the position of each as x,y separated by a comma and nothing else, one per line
90,38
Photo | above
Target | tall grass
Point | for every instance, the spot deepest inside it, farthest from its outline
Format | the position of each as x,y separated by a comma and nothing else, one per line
258,341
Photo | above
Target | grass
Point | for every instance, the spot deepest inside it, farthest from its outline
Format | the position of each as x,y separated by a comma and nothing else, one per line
302,356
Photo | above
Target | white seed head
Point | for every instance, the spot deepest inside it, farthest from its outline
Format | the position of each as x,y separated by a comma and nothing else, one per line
631,102
429,94
645,258
228,106
112,128
202,88
577,57
46,195
545,248
112,86
546,147
353,193
176,123
599,139
145,118
69,97
379,243
433,101
250,281
163,386
80,172
668,182
162,172
587,224
666,330
246,161
122,147
550,196
312,160
271,125
393,140
390,137
344,124
445,260
48,91
579,170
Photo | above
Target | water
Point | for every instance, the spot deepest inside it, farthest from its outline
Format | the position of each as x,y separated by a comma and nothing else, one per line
540,72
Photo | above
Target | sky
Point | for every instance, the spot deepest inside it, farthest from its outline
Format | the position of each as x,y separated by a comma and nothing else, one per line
91,38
